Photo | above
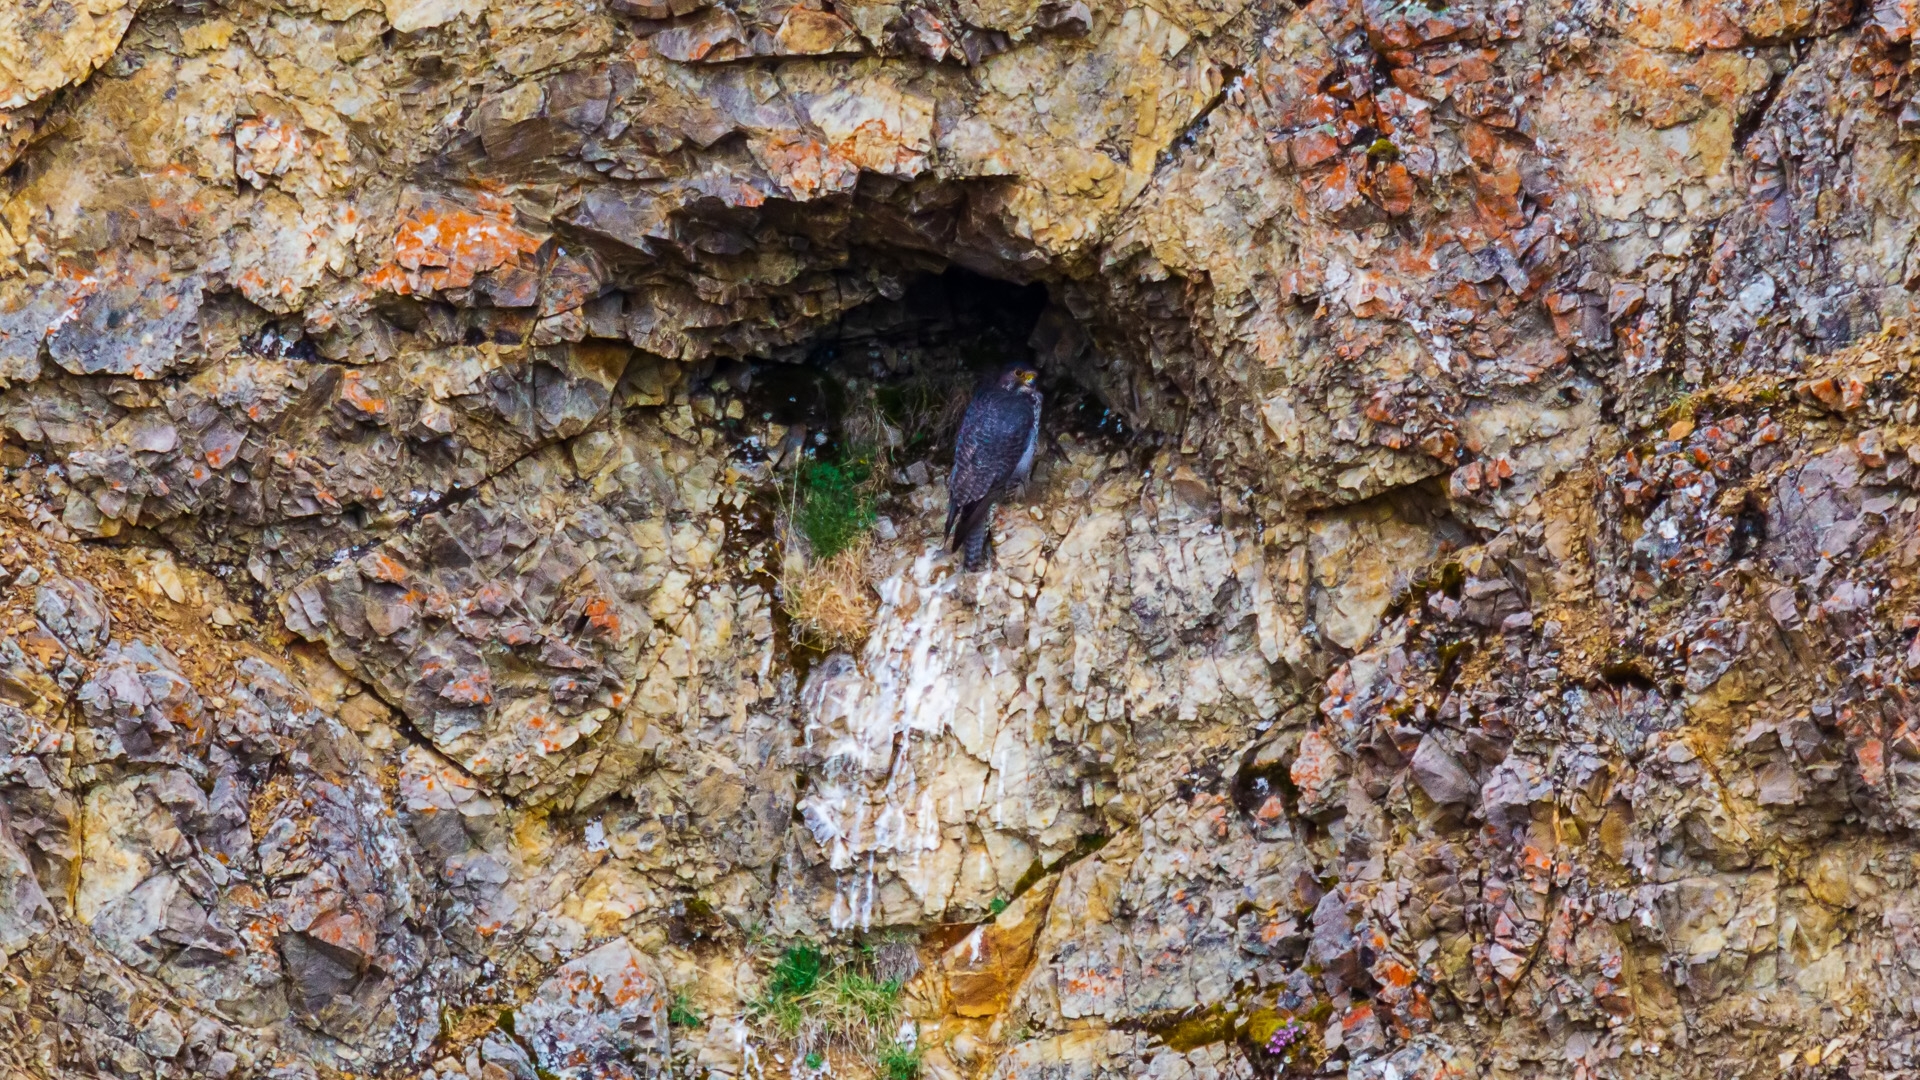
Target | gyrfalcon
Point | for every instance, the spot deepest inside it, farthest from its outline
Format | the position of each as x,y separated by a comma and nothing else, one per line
994,452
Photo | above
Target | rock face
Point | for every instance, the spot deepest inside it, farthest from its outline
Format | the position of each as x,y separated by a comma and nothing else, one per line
1463,620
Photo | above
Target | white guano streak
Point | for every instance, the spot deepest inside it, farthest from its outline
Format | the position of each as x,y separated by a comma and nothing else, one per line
870,804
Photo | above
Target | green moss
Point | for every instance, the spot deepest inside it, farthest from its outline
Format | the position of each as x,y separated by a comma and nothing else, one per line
997,905
1302,1050
1261,1025
1250,1022
1214,1024
836,503
1452,655
1030,877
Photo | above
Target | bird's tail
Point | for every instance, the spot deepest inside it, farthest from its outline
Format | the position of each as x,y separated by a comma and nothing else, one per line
976,555
968,531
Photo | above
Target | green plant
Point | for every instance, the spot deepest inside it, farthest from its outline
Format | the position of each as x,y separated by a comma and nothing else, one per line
794,978
858,995
783,1014
680,1012
899,1062
796,972
815,1059
816,1003
997,905
836,502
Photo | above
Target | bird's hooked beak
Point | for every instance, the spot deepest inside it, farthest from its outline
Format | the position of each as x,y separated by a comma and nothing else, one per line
1027,376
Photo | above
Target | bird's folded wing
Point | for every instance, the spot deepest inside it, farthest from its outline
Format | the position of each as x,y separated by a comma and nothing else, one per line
993,436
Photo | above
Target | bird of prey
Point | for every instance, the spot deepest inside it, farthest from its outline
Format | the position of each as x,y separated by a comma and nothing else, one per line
993,453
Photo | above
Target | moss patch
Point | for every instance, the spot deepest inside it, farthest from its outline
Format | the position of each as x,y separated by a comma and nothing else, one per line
836,502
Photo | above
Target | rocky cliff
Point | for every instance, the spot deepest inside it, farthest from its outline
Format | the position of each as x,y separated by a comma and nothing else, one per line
1462,623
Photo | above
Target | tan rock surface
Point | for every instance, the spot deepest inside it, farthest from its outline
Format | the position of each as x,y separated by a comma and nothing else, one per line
1461,623
48,44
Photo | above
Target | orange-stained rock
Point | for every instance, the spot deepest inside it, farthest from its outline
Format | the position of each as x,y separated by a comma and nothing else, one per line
985,967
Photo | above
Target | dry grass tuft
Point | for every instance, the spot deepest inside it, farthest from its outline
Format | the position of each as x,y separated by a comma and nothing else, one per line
821,1006
831,601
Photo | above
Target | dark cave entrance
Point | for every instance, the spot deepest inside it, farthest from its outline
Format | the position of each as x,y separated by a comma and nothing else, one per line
897,373
910,354
986,321
850,436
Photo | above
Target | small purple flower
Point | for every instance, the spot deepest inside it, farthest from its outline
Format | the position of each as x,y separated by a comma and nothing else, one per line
1283,1036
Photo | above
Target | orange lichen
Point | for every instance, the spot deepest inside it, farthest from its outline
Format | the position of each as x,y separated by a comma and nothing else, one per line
357,391
441,244
875,146
806,167
344,930
601,617
476,689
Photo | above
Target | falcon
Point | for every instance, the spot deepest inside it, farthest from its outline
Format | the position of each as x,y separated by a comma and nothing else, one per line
994,452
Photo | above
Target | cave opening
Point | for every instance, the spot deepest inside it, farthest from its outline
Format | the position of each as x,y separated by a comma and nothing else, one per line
874,398
944,332
850,435
896,373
